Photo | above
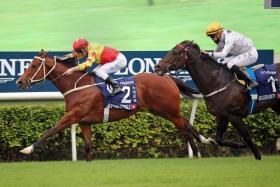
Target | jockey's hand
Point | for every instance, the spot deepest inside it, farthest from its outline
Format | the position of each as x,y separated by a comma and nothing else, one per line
205,52
68,72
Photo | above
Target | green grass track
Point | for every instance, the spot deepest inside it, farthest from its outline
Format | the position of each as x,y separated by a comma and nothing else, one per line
131,24
210,172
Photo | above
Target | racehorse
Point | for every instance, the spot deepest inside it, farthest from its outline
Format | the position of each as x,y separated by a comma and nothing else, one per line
85,103
224,96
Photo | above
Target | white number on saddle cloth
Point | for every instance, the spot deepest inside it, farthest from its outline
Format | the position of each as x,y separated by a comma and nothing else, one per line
126,90
273,85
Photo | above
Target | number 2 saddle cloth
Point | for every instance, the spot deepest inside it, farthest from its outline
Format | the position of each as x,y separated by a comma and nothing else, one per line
127,99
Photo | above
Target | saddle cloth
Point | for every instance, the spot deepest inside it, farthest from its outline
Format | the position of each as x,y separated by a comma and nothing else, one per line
127,99
269,85
268,80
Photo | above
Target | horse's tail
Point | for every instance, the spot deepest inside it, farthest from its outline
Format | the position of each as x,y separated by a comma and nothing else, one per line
185,89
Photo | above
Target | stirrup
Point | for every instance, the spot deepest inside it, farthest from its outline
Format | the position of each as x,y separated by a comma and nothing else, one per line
116,91
253,84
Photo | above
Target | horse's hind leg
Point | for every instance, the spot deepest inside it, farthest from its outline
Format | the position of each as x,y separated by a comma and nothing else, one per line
185,129
87,135
240,126
222,127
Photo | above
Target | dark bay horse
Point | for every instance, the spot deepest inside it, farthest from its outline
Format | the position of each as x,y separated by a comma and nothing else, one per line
158,94
225,97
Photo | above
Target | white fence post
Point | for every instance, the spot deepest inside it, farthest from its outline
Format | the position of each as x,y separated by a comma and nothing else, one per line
73,142
194,107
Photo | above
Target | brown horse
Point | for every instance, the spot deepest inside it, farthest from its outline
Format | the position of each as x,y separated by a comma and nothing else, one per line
225,97
84,104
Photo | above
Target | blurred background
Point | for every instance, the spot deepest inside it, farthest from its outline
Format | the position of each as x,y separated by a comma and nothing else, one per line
131,24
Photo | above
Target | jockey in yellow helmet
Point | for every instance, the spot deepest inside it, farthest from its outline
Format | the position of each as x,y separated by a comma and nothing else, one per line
241,49
109,59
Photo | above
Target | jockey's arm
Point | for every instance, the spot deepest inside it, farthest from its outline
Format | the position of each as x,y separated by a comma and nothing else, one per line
225,51
68,56
88,63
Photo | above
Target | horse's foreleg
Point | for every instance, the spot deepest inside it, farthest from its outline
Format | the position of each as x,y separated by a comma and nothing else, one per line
222,127
243,131
66,121
87,134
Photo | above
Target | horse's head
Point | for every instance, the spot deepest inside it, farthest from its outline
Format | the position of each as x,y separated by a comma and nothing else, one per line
40,67
178,58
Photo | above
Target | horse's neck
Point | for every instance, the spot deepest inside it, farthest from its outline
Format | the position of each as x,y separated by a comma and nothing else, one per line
66,83
209,76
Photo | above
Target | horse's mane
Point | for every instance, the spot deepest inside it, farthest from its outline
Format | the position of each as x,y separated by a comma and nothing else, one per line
71,62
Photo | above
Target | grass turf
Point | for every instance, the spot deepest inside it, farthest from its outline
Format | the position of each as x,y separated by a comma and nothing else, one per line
226,172
131,25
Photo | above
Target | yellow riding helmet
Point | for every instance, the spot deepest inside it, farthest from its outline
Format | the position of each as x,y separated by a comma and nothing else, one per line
214,28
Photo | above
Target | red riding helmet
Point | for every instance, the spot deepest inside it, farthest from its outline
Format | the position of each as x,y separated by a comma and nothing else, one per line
79,44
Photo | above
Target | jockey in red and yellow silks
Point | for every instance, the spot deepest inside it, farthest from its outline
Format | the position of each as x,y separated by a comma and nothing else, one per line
109,59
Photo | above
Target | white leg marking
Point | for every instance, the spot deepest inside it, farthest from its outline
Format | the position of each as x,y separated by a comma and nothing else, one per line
206,140
27,150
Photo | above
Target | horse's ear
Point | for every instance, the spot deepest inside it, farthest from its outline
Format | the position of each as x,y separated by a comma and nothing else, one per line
43,53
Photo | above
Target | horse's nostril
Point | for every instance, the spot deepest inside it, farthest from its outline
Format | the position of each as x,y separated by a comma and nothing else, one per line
19,82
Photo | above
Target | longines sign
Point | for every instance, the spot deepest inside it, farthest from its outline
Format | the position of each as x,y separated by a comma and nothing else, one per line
13,64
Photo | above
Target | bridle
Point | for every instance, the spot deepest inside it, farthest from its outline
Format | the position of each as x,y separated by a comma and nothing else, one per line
42,65
186,49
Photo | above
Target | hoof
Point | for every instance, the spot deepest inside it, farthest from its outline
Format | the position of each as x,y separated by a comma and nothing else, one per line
27,150
212,141
258,157
206,140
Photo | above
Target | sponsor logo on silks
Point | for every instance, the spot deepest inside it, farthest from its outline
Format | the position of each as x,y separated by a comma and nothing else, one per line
271,4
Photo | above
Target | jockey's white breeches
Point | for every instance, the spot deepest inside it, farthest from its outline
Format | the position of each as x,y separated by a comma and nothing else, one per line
244,59
102,71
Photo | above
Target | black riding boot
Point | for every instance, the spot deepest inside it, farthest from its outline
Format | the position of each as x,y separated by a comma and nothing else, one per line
116,88
242,74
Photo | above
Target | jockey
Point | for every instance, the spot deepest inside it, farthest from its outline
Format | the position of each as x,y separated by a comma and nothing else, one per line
240,47
109,59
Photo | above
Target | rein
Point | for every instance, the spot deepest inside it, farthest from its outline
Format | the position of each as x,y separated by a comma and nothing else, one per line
83,87
220,89
43,65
